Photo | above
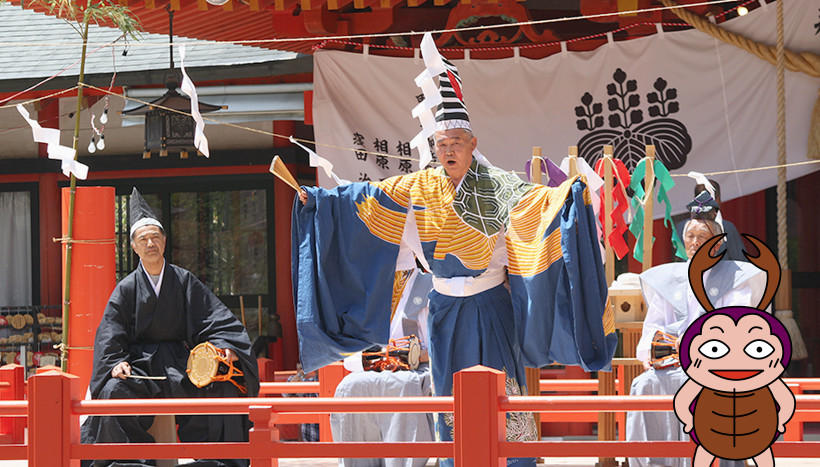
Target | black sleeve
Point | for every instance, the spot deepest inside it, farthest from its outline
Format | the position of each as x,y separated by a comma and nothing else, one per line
212,321
111,340
734,245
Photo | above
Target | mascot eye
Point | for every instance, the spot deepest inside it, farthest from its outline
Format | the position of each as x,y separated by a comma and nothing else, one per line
758,349
713,349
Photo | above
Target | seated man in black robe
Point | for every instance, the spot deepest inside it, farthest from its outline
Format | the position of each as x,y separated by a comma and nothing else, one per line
154,317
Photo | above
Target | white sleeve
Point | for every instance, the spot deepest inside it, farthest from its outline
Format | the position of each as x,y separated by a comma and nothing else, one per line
739,296
353,363
422,320
748,293
396,329
499,258
410,246
657,317
406,259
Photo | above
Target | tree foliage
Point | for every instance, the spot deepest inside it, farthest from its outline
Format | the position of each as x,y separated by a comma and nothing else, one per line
99,12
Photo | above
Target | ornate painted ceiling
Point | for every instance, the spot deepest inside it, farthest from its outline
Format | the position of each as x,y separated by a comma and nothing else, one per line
265,23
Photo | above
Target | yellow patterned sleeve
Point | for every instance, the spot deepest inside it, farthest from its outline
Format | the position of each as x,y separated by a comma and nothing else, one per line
531,249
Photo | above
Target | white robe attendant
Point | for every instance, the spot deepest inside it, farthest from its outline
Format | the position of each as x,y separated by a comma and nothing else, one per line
397,426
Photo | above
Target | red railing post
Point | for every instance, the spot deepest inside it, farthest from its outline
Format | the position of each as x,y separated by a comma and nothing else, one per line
263,433
52,426
479,425
12,429
620,417
329,377
794,429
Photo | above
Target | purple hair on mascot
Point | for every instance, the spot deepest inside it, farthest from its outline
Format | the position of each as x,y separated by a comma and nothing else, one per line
735,312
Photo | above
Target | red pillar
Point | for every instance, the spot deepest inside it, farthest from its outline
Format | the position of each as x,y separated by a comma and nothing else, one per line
52,426
48,116
479,426
285,351
308,102
50,263
92,272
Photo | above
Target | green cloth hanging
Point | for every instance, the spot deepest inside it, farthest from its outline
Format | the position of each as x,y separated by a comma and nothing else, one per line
665,183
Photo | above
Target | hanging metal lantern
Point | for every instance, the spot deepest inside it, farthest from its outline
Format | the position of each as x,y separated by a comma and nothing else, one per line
165,130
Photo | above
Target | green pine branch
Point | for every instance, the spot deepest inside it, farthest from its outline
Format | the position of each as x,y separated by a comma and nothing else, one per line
101,13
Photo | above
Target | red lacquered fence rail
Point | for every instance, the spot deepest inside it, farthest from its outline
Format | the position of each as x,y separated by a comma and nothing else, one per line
479,405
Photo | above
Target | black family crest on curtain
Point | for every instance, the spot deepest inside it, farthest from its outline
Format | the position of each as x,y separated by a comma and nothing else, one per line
817,25
628,132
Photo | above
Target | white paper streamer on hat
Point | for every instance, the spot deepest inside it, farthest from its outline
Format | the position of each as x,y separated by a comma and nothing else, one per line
51,138
701,179
200,141
319,161
425,80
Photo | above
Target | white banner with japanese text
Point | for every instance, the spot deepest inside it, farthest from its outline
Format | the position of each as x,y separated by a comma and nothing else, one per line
706,105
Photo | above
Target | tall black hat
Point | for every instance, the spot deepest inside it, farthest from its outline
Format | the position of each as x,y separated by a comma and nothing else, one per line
703,206
140,212
447,96
451,112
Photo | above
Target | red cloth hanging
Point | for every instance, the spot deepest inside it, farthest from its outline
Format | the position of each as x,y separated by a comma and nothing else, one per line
619,205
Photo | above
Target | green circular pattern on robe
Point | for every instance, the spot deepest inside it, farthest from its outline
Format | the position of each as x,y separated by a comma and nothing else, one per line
486,196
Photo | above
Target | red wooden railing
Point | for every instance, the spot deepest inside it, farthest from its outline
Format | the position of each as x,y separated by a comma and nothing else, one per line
12,388
332,375
478,405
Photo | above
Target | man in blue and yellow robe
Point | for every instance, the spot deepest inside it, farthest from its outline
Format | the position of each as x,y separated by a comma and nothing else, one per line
518,278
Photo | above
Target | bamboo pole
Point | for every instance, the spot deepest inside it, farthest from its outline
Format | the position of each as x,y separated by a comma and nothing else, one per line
649,185
533,375
535,165
72,196
242,311
610,254
573,161
606,380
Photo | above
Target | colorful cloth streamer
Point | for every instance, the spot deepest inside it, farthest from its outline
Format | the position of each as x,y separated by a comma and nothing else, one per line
555,175
619,205
200,141
51,137
665,184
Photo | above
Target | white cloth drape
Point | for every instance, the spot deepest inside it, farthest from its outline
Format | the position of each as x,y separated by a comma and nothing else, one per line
15,248
722,96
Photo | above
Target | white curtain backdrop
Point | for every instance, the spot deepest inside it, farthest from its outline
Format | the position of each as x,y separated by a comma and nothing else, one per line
15,248
706,105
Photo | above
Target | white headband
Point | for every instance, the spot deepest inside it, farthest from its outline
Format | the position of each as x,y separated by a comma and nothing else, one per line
689,223
143,222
